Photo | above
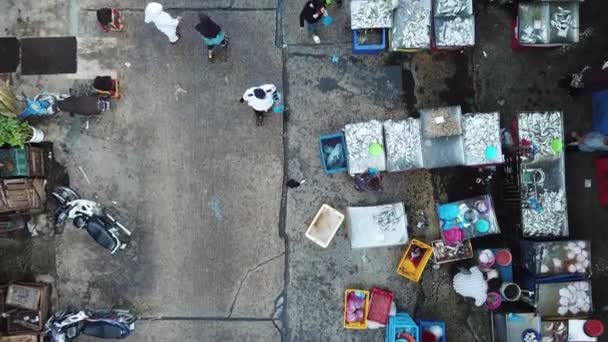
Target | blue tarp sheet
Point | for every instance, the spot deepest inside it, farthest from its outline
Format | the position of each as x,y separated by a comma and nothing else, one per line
599,99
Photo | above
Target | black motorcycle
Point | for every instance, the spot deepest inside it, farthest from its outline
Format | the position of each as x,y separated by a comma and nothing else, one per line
65,326
92,217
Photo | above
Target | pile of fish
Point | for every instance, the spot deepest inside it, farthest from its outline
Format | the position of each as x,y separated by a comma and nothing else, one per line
412,25
555,331
387,219
562,21
541,129
551,220
366,14
334,158
359,138
441,122
533,28
480,131
455,32
452,8
403,145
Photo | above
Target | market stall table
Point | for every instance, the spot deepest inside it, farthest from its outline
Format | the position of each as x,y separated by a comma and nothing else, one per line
377,226
562,300
442,137
512,327
547,23
551,260
543,184
467,219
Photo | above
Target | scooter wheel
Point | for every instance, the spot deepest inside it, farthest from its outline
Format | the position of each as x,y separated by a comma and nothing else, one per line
63,194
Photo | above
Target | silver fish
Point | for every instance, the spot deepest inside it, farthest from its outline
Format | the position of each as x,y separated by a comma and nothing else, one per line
359,138
455,32
366,14
541,128
447,8
480,131
411,25
551,221
403,145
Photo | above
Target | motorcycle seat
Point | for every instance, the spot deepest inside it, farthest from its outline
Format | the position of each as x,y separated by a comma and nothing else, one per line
99,232
105,329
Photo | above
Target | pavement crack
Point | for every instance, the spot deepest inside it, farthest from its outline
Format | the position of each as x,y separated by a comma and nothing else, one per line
193,9
274,323
469,327
249,271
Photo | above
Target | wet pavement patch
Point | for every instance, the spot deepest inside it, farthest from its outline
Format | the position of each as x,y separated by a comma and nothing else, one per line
409,88
45,56
9,54
327,84
460,85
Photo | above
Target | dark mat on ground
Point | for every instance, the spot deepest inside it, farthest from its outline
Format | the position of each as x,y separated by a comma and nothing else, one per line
44,56
9,54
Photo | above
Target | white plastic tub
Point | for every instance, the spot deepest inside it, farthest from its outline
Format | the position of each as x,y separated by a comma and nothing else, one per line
324,226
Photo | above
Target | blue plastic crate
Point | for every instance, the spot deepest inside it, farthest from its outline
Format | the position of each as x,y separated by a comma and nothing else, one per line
425,325
329,141
401,322
373,49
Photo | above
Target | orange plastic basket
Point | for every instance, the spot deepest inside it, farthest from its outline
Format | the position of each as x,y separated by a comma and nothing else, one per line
406,269
357,325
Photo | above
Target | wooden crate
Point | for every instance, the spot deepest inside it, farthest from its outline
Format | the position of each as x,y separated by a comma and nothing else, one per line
22,195
42,309
30,161
37,158
23,296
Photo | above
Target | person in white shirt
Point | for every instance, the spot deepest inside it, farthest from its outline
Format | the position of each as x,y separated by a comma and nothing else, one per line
261,99
162,20
472,284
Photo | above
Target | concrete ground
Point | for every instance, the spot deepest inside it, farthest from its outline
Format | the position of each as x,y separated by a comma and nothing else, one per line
219,251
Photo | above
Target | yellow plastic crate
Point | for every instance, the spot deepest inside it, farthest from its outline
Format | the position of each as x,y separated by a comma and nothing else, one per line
406,269
359,326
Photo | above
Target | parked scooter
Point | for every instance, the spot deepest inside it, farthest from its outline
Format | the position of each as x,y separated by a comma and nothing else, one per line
92,217
49,104
65,326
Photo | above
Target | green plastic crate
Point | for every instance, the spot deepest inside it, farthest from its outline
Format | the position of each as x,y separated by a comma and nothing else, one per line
18,156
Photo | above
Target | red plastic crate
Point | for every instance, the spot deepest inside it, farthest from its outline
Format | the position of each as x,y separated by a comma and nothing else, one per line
601,172
379,305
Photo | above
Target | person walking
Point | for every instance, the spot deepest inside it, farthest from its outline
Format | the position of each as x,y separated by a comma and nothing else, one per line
312,13
590,142
261,99
162,20
212,33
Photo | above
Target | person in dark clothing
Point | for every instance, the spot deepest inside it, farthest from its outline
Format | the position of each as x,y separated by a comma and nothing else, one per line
312,13
212,33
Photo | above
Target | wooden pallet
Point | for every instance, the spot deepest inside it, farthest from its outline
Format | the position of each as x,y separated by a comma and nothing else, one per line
22,195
